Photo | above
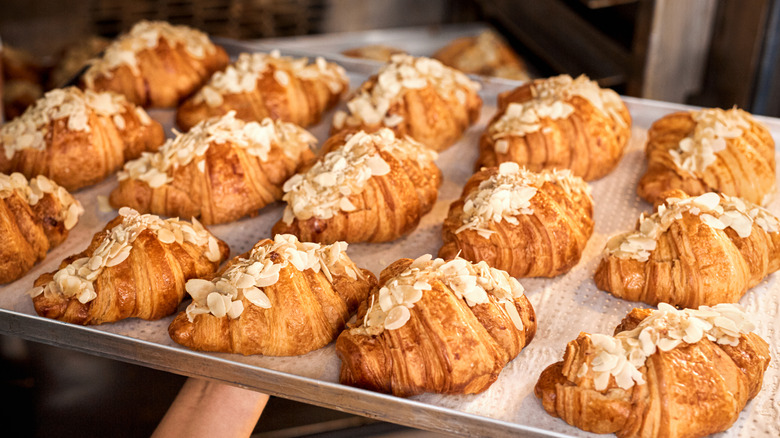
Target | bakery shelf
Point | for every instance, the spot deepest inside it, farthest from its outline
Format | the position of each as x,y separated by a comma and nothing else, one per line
564,305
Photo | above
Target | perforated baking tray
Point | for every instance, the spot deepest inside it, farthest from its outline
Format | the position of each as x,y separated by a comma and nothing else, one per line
564,305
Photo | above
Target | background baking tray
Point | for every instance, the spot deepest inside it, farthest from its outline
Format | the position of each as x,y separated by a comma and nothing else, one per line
565,305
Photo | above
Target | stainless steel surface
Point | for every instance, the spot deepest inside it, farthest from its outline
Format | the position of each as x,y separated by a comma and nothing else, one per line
505,410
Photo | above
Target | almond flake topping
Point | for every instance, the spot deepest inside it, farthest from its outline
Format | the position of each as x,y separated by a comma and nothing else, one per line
37,188
77,278
622,355
143,36
473,282
716,211
157,168
31,128
247,277
325,189
550,100
403,73
714,126
242,76
508,193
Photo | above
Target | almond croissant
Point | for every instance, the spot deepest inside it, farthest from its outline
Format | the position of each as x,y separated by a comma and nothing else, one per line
156,64
693,251
35,216
367,188
77,138
558,123
666,373
436,326
135,268
221,170
528,224
260,85
415,97
709,150
484,54
282,298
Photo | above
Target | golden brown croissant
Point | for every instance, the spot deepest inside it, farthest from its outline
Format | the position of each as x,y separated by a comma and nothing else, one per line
484,54
221,170
665,373
527,224
693,251
156,64
436,326
375,52
77,138
709,150
367,188
135,268
35,216
558,123
282,298
415,97
260,85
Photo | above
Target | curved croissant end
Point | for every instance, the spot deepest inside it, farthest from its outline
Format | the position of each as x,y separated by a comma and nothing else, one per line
415,97
35,216
156,64
558,123
674,393
301,311
221,170
435,339
484,54
544,238
709,150
695,259
77,138
260,85
368,188
135,268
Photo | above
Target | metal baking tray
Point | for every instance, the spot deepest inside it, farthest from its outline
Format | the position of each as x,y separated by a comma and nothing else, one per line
565,305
